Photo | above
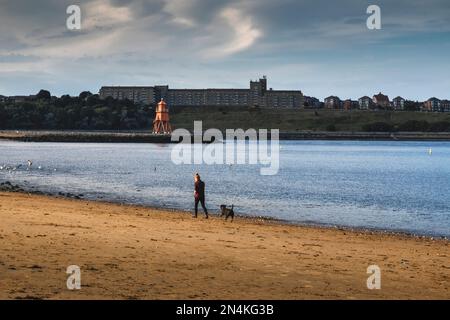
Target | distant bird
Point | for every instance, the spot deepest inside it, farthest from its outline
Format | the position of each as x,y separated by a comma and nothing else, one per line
430,152
30,163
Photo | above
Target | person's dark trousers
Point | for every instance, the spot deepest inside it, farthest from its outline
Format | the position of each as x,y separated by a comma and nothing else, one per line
202,202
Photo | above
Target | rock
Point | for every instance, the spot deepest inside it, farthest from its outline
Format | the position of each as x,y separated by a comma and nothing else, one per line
8,186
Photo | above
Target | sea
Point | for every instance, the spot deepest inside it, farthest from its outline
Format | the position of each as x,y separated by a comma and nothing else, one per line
381,185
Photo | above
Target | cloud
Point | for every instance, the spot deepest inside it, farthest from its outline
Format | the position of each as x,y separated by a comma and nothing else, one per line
180,12
244,33
17,58
195,43
101,14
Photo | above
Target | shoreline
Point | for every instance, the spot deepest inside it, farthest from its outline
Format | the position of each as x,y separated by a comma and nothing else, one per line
133,252
74,136
7,186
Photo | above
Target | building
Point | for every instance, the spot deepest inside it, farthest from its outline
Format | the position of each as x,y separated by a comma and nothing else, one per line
332,102
445,105
432,104
256,95
312,102
161,124
18,99
365,103
350,104
381,100
2,98
144,95
280,99
398,103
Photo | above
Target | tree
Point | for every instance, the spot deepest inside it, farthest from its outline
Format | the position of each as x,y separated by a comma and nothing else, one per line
84,95
412,105
44,95
3,116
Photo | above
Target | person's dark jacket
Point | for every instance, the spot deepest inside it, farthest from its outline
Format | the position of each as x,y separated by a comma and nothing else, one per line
199,189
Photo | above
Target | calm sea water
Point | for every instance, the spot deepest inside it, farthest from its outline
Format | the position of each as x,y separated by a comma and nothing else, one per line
382,185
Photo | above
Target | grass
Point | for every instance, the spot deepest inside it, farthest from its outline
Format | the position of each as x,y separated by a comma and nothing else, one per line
291,120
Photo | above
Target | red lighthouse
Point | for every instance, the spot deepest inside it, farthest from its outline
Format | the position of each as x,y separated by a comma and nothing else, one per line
161,124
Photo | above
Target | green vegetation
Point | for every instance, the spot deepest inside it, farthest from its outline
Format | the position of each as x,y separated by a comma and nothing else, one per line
85,112
89,112
289,120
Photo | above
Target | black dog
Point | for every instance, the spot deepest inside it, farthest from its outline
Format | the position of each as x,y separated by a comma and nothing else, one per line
227,212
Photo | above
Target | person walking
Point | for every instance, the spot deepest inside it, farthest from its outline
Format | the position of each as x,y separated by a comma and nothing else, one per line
199,195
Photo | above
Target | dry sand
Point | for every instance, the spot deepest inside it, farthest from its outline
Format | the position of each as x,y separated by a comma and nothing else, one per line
130,252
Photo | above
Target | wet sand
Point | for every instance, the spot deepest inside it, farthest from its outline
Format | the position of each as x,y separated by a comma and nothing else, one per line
131,252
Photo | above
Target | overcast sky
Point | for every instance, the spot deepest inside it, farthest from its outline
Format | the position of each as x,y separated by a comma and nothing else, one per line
320,47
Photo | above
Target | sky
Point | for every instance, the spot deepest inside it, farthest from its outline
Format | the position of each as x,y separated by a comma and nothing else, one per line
320,47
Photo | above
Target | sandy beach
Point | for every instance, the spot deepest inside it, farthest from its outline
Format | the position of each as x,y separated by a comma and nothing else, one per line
131,252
